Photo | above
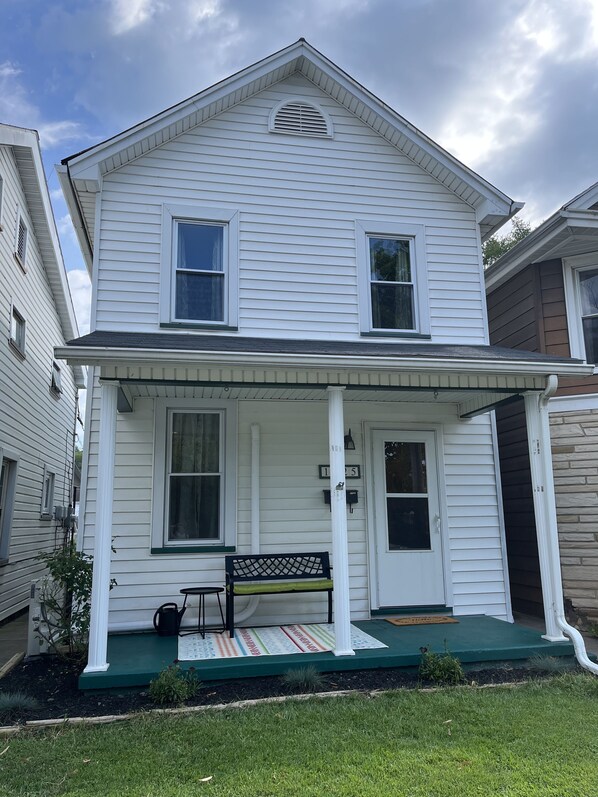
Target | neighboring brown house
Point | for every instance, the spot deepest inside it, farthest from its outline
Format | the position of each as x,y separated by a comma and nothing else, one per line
543,297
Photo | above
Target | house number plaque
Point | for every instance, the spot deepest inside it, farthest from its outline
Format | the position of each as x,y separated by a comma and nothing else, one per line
351,471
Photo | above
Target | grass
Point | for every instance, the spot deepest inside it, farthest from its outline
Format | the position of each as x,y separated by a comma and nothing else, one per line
532,740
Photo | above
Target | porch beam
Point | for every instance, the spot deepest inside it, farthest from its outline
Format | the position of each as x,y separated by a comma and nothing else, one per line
484,403
338,507
125,399
540,456
98,628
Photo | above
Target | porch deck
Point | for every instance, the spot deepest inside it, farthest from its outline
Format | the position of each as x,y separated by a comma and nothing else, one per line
137,658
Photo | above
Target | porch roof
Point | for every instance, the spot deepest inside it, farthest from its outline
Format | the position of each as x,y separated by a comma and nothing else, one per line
103,347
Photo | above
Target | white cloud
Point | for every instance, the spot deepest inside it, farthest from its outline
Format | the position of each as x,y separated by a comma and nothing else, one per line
130,14
53,133
81,292
9,70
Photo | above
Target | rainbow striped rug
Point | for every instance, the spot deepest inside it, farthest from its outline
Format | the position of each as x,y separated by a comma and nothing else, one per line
280,640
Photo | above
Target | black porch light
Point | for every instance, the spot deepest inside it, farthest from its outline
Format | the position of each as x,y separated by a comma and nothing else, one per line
349,442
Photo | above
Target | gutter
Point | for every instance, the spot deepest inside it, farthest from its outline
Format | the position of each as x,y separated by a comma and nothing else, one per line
103,355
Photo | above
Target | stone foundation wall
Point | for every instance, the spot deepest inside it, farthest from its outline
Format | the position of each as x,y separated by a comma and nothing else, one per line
575,462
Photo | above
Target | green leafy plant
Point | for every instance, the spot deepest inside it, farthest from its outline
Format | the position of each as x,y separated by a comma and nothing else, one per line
174,685
15,705
65,595
306,679
440,668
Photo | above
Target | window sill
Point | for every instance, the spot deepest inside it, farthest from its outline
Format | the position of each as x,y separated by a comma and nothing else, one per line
194,549
389,333
20,262
197,325
16,350
45,516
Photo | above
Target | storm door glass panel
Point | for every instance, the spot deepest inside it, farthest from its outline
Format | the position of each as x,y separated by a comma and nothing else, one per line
391,287
588,289
195,476
199,279
407,511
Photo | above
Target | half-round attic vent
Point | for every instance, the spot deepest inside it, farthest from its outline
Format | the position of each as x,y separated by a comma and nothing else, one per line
300,118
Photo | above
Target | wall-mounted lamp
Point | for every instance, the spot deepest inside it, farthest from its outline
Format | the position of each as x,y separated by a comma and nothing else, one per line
349,442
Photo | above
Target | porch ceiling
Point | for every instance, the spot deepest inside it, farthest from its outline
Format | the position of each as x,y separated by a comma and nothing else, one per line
466,403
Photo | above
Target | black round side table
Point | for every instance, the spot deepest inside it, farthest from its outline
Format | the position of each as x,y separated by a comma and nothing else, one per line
201,610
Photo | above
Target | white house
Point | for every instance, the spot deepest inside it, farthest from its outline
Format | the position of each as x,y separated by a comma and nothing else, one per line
38,394
281,266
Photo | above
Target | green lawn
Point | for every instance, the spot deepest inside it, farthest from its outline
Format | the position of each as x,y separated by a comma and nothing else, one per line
537,739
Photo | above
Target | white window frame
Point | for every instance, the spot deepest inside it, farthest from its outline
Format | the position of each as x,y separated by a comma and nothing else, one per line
8,502
56,380
21,258
415,234
229,219
47,497
20,350
228,493
572,266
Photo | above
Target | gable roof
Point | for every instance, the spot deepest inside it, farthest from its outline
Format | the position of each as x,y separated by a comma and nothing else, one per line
25,146
80,173
571,230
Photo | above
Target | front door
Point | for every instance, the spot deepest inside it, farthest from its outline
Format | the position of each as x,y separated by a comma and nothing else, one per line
407,519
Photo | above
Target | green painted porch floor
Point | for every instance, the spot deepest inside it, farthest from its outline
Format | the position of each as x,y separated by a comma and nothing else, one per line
137,658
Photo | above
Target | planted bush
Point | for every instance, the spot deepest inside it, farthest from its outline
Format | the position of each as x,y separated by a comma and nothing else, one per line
306,679
441,668
15,705
174,686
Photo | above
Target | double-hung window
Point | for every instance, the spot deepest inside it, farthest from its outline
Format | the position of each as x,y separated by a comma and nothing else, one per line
8,479
392,279
199,267
581,293
194,475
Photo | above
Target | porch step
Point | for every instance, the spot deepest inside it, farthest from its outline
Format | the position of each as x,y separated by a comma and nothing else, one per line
408,611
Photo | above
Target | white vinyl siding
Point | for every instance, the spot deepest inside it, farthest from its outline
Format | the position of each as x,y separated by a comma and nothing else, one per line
293,515
298,199
33,426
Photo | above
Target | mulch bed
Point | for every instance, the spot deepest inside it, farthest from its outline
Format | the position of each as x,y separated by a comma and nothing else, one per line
53,683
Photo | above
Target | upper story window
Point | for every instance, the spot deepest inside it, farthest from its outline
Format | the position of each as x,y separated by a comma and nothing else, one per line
21,242
17,331
393,291
581,295
199,267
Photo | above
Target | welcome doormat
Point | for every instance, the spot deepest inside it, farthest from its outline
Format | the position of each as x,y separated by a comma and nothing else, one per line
428,619
280,640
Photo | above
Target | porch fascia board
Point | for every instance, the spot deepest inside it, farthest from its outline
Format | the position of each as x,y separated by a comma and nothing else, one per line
101,356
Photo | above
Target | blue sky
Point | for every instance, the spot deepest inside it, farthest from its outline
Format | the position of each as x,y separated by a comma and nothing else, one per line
510,87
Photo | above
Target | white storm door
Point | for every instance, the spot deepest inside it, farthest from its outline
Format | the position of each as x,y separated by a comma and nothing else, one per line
407,519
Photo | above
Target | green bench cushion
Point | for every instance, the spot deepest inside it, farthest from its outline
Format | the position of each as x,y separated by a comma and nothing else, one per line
264,587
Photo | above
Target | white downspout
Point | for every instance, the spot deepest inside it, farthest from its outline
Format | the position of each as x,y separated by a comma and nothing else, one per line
249,610
540,404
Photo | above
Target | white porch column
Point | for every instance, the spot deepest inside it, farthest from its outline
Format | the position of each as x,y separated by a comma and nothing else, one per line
98,629
338,507
540,456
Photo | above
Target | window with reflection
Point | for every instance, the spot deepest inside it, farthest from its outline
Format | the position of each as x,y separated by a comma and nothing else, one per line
588,293
194,478
200,271
407,510
391,283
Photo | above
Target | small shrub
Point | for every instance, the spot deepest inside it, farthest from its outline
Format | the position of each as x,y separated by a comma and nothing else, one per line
441,668
550,664
174,686
306,679
14,705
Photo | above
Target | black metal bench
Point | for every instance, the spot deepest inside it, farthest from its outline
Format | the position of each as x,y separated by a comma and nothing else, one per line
273,574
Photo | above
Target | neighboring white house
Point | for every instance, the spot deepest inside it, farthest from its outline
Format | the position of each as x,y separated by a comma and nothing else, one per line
38,394
283,266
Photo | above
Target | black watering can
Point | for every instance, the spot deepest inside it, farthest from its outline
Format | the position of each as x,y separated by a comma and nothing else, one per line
167,619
